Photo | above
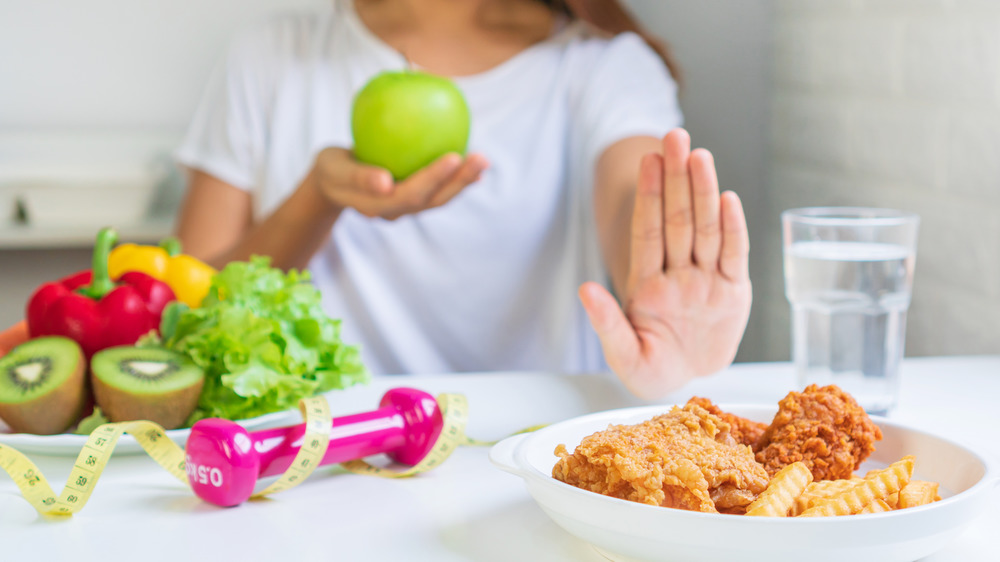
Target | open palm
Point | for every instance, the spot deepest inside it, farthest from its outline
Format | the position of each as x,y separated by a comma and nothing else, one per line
687,299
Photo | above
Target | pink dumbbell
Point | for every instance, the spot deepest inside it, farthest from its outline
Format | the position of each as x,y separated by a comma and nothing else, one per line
224,460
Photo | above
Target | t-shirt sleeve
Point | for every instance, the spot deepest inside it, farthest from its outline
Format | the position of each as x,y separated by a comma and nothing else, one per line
227,136
628,92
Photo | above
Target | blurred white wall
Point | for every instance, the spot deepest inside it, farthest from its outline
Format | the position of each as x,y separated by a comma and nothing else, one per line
114,64
89,84
895,104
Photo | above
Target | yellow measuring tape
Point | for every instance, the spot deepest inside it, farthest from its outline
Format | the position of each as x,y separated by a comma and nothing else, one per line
89,465
319,421
315,411
455,411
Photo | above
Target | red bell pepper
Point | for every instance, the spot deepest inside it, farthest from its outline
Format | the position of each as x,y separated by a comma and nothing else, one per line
95,311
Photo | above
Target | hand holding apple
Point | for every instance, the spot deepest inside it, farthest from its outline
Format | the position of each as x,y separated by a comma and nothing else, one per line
347,183
410,130
405,120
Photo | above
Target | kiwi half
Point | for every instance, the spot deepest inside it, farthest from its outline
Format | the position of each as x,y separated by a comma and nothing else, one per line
135,383
43,385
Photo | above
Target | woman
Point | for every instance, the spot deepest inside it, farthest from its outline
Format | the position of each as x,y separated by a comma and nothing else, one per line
475,263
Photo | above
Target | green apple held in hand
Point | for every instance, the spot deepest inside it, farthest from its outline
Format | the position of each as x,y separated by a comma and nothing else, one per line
403,121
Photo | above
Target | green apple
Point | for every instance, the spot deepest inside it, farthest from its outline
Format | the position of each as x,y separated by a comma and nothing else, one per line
404,120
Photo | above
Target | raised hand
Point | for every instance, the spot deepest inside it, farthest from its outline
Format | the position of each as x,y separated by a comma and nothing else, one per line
687,298
370,190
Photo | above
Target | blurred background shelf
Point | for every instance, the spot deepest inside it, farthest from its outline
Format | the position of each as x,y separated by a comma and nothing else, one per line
34,237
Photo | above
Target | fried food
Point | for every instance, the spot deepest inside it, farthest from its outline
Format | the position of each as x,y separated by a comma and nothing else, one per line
877,506
824,428
917,492
780,494
686,458
697,457
893,499
878,485
744,431
819,491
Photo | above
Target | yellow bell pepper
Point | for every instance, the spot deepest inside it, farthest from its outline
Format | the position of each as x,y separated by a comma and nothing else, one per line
187,276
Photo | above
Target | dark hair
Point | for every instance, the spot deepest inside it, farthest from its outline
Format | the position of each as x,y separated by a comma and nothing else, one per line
611,17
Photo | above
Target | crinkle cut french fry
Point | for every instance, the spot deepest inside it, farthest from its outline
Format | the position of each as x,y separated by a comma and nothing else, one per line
781,491
819,491
877,506
893,500
917,492
876,486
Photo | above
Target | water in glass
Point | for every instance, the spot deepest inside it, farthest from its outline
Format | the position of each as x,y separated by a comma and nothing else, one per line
849,302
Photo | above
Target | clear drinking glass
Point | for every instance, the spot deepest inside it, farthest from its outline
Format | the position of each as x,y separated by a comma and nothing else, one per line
849,277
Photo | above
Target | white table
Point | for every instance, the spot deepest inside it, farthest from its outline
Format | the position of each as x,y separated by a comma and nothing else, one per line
464,510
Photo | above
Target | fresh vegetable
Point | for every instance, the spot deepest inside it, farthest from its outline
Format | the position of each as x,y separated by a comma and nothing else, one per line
187,276
264,346
88,424
94,311
13,337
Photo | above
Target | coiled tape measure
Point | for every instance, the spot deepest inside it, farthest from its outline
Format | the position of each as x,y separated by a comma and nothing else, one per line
222,461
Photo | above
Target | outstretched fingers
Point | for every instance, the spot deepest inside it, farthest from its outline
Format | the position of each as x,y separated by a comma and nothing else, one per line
677,209
707,220
647,251
735,251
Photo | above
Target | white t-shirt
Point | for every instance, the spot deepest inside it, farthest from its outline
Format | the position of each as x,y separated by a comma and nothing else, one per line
489,280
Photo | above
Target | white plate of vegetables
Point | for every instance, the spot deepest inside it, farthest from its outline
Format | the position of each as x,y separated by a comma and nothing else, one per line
70,444
257,345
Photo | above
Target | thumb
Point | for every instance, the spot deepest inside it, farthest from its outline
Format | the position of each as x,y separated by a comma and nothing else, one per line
618,338
339,167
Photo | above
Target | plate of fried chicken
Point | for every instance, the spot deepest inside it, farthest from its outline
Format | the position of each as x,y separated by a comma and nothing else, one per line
685,482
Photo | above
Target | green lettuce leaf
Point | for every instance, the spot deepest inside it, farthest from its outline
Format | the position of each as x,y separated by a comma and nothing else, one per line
88,424
264,342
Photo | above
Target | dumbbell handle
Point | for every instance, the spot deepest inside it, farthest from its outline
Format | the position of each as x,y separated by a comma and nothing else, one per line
351,437
224,461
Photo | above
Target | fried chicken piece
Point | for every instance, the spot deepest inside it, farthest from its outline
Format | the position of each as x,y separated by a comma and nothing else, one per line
824,428
684,459
744,431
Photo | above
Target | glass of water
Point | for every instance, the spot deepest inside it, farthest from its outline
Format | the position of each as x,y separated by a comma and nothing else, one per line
849,277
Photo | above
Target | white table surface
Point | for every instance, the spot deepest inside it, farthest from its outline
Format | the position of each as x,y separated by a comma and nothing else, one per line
463,510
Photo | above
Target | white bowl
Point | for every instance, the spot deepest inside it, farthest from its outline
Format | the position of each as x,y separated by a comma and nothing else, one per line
625,530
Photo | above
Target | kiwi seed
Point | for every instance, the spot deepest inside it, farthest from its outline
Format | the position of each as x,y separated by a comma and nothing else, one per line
30,373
